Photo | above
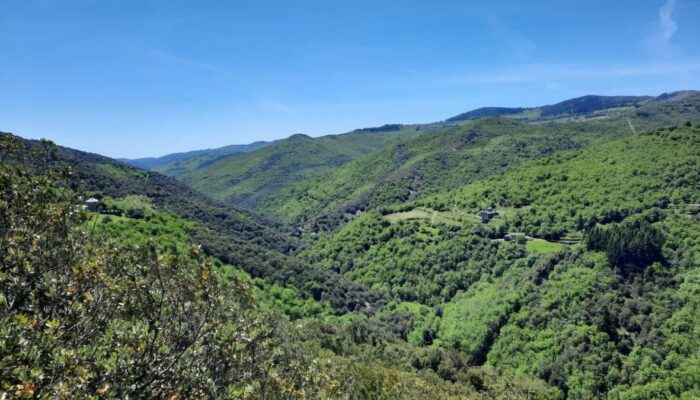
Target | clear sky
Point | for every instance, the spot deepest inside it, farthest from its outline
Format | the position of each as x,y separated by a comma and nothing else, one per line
134,78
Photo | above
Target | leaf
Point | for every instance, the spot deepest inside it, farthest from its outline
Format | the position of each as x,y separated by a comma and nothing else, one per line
103,389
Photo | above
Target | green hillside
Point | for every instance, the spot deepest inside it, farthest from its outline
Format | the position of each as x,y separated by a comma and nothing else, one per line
234,237
124,304
244,179
583,285
579,106
317,183
176,163
594,318
453,157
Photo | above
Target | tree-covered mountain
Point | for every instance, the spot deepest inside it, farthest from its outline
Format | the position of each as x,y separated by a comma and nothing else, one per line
173,161
581,282
122,303
455,156
245,179
596,293
236,237
320,182
91,309
573,107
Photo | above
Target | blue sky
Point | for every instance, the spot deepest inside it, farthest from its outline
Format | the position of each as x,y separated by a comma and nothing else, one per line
136,78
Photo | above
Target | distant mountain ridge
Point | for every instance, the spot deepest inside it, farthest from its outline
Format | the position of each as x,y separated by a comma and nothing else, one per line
572,107
175,164
486,112
302,179
575,106
153,162
455,155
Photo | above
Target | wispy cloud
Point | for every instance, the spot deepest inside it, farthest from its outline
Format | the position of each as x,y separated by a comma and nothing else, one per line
659,42
175,59
668,24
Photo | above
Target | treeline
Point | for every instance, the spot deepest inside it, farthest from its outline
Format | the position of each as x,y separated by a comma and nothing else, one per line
629,246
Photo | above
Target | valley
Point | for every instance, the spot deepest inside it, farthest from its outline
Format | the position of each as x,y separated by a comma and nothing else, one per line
358,265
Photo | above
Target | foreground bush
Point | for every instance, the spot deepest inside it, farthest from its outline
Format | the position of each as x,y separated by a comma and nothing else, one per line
82,317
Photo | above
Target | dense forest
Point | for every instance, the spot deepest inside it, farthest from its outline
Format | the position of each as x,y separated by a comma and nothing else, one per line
366,265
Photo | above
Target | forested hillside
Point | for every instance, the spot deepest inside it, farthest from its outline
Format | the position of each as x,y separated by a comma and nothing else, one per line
580,282
175,163
232,236
453,157
318,183
244,179
593,296
123,303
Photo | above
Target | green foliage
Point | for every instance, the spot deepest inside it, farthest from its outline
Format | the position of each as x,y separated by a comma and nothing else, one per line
172,235
471,321
84,317
246,178
121,173
450,156
409,260
132,204
671,368
604,184
629,246
170,232
415,297
561,333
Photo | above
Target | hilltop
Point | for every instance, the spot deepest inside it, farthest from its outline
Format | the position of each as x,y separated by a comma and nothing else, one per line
244,179
172,163
574,107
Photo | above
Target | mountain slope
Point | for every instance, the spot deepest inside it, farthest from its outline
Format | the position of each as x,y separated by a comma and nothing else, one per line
235,237
572,107
243,179
174,160
455,156
567,312
129,308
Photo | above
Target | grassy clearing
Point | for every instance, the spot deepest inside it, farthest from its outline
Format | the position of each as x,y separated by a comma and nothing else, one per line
434,217
529,114
122,173
542,246
415,214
